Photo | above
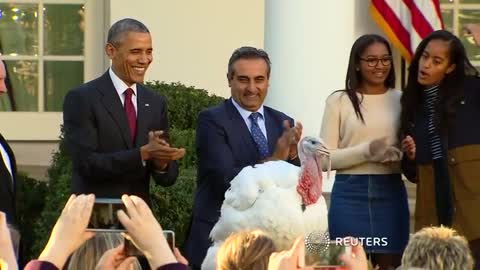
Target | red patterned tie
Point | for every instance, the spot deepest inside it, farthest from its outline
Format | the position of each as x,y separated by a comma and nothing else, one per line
130,112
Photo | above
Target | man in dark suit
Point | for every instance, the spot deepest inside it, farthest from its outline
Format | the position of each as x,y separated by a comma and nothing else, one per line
116,128
235,134
8,172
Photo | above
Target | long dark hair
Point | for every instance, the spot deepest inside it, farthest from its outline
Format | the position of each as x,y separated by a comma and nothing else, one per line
451,88
353,80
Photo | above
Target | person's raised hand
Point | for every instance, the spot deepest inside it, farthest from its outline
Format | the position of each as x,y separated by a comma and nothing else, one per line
159,151
179,256
286,142
115,259
7,255
294,258
69,232
473,29
356,260
298,129
145,232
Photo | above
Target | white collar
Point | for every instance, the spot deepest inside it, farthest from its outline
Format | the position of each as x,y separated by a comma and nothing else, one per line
120,85
246,113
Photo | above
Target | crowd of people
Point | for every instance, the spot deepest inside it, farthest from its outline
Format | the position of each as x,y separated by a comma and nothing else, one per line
116,132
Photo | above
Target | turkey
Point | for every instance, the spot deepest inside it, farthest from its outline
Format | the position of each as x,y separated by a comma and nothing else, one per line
279,198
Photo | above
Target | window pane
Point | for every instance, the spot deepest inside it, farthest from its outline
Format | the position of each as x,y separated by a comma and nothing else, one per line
18,29
64,27
447,17
446,1
469,16
60,76
22,86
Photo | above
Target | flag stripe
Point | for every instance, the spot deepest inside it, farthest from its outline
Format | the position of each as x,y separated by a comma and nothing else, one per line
421,25
380,20
406,22
393,21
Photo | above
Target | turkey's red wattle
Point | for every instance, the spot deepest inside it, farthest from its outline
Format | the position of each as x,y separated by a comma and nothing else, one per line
310,183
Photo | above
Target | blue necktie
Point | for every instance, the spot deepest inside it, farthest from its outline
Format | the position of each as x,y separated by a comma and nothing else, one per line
258,136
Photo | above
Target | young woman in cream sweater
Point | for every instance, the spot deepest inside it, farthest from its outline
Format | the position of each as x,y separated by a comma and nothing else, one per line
360,126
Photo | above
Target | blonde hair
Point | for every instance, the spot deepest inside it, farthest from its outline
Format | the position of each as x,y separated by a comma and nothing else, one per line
247,250
87,255
437,248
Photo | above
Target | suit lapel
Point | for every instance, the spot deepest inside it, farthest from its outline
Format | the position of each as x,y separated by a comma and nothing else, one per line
9,151
240,130
273,132
113,105
143,115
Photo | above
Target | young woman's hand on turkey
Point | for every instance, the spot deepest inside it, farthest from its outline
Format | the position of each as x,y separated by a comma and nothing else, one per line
377,149
393,154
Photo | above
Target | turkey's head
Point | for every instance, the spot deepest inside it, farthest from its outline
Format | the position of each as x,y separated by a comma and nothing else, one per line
312,152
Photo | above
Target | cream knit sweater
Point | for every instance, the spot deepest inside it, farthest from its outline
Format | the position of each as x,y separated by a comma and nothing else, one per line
348,138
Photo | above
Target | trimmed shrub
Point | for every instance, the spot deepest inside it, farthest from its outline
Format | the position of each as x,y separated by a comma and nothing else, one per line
185,138
184,102
172,206
30,203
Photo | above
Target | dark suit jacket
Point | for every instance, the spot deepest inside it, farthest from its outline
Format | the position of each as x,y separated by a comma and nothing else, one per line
7,190
97,137
224,147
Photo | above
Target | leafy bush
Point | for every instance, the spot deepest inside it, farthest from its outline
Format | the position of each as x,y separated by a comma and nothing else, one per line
185,138
30,202
40,204
184,103
58,191
173,205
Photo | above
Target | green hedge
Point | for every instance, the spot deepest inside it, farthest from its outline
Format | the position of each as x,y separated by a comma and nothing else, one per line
40,204
184,103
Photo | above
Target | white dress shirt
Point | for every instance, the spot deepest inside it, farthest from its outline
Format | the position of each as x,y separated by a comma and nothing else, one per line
6,160
121,86
246,114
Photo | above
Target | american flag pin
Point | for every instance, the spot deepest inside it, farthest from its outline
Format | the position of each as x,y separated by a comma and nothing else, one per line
147,105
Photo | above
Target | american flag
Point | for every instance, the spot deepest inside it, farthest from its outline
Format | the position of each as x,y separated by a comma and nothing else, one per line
406,22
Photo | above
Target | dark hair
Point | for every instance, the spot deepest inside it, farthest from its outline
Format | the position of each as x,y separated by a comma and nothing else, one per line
450,88
247,53
353,80
123,26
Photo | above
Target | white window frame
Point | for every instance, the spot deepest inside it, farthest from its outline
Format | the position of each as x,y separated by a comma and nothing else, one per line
45,126
456,6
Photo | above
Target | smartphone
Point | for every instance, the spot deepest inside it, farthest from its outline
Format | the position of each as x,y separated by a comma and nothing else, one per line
104,216
170,236
130,249
326,256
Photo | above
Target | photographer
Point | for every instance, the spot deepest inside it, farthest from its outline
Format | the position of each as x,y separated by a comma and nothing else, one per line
69,233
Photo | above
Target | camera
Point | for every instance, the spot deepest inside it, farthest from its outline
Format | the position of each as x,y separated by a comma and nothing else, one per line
326,256
170,236
131,250
104,216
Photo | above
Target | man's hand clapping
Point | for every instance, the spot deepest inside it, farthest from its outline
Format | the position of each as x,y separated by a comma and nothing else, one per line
286,147
159,151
